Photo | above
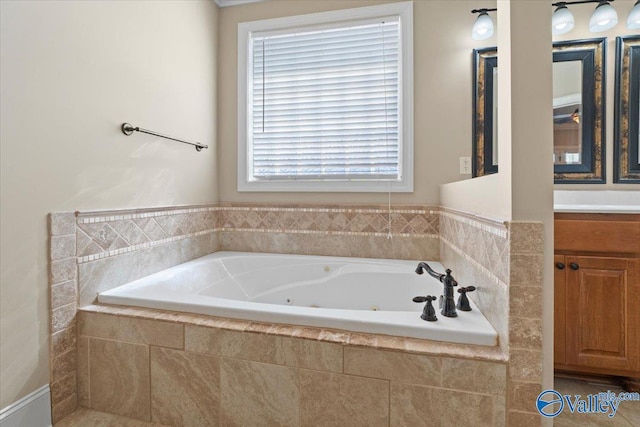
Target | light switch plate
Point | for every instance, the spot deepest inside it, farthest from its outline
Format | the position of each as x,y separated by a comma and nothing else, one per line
465,165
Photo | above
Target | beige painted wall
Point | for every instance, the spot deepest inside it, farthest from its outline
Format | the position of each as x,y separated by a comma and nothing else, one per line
442,92
71,73
582,13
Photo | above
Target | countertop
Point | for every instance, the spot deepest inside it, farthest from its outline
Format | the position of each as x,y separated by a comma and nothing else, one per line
597,201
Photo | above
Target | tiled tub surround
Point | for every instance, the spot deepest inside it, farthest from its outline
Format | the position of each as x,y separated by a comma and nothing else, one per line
505,262
477,250
96,251
63,297
344,231
182,369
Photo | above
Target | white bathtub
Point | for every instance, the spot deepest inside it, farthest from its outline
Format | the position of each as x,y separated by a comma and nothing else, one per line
355,294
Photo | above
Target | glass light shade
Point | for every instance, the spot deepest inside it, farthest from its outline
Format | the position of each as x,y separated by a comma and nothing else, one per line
604,18
483,27
633,21
562,21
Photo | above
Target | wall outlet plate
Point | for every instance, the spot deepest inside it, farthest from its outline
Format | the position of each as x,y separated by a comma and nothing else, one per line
465,165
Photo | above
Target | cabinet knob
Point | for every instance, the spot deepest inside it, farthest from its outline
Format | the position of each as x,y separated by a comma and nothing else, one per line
560,265
574,266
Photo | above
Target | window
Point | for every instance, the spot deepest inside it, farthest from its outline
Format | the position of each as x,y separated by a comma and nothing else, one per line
325,101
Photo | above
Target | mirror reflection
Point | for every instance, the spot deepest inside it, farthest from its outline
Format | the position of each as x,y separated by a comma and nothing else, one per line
567,108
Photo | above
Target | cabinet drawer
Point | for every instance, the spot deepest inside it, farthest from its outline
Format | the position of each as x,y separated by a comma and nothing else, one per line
597,236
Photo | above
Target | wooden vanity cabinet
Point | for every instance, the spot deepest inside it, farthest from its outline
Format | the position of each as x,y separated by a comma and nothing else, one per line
597,294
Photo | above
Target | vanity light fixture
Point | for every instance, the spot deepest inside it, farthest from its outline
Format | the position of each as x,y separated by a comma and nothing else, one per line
633,21
604,17
483,27
562,21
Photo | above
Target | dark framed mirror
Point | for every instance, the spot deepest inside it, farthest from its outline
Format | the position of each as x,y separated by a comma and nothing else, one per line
485,135
578,111
626,162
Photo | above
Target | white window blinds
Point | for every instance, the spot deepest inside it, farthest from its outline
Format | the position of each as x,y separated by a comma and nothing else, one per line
323,103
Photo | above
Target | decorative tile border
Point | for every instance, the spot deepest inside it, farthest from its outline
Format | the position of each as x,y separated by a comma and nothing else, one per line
363,220
101,235
89,217
141,246
482,243
484,224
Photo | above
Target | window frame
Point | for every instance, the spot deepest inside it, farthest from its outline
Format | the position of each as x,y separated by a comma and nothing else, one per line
403,10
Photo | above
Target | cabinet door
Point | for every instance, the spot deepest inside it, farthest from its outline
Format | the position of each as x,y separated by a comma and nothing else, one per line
602,313
559,304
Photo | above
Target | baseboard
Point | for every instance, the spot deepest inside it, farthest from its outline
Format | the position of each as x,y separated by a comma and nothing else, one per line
33,410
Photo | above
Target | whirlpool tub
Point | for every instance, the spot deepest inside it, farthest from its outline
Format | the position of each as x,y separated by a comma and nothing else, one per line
355,294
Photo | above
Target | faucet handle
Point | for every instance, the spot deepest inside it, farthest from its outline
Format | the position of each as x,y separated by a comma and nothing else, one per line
463,301
429,313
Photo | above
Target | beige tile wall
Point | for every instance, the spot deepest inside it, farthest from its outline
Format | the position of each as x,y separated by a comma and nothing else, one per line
63,274
504,262
92,252
477,250
116,247
106,234
526,246
182,372
357,231
107,273
109,233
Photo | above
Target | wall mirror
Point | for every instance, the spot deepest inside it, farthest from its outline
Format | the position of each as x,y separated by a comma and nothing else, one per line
485,125
626,161
578,111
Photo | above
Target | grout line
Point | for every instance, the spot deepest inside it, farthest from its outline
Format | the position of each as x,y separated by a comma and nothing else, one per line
389,402
89,370
150,384
299,385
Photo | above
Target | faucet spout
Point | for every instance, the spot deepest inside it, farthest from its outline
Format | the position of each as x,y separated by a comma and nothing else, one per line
447,303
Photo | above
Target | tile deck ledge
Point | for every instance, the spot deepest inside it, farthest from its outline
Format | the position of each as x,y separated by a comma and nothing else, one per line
358,339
